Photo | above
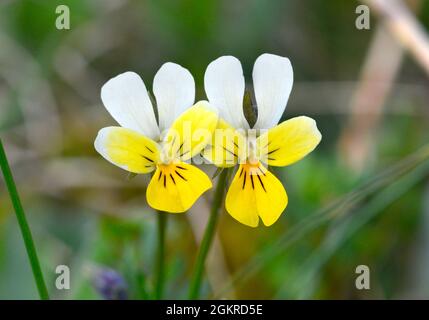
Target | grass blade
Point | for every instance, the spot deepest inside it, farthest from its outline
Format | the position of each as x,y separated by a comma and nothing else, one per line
23,225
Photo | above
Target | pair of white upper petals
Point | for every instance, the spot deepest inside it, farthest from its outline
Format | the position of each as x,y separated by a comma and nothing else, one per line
224,84
126,98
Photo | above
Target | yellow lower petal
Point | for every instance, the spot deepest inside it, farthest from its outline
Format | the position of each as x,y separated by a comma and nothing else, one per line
255,193
175,187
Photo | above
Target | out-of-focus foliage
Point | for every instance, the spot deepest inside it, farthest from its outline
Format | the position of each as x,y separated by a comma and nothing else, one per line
86,214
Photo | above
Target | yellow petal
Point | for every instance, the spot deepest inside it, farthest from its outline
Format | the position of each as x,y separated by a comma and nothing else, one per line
227,146
254,193
175,187
127,149
191,131
288,142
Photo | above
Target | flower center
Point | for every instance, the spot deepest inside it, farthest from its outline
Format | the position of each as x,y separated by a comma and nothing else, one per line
167,154
171,174
251,154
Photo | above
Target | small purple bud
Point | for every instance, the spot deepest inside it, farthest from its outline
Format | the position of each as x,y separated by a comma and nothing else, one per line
110,284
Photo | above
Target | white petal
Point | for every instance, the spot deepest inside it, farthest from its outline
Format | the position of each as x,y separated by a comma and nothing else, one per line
174,90
126,98
272,82
224,84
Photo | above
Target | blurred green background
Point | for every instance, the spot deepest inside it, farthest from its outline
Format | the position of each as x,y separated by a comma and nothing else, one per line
361,198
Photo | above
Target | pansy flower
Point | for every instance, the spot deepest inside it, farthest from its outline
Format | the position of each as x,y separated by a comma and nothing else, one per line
254,191
143,145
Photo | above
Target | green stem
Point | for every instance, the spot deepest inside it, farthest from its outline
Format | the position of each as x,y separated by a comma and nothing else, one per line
141,289
25,229
160,257
194,288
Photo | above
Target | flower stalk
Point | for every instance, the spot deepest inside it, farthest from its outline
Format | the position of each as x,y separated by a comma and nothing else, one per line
23,225
160,256
195,286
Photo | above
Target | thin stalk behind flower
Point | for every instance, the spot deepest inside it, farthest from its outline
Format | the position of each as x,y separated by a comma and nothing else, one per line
160,256
194,288
23,225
